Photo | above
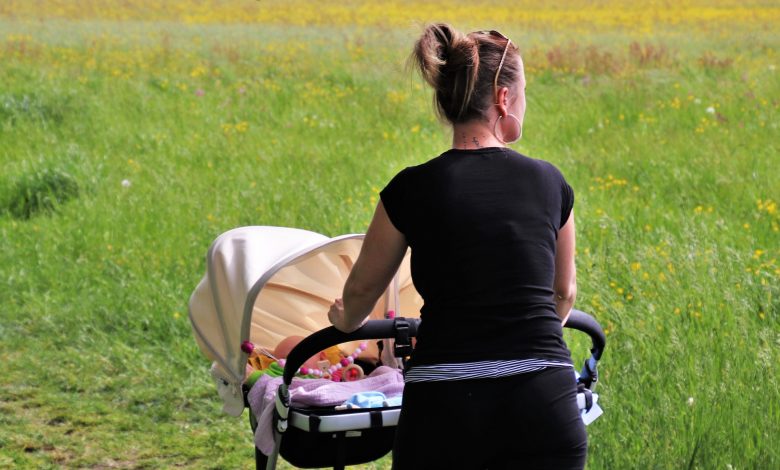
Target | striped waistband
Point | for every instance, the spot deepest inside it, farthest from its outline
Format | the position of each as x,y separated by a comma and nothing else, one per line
478,370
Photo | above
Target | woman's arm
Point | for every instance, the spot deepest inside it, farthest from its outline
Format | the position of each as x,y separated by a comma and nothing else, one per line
382,252
565,284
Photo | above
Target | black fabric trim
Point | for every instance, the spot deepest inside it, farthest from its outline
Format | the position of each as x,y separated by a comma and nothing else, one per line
314,423
376,418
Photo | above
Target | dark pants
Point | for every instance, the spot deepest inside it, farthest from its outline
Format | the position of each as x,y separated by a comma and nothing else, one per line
525,421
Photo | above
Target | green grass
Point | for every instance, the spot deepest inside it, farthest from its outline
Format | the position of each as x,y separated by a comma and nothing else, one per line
678,247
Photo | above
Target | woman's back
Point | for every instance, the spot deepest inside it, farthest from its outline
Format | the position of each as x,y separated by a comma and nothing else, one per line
482,225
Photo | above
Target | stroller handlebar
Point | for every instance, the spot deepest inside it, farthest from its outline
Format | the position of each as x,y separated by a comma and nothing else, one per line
581,321
327,337
379,329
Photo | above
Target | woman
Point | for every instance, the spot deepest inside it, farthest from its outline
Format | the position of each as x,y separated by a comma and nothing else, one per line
490,383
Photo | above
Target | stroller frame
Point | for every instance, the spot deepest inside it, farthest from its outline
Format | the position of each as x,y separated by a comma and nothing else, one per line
324,432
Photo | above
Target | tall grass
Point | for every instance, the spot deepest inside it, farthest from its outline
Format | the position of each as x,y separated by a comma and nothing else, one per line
174,133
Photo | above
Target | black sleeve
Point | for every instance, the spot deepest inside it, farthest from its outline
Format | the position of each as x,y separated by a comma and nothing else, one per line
567,202
393,198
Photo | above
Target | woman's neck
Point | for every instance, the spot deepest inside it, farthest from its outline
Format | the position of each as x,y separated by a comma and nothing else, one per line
474,135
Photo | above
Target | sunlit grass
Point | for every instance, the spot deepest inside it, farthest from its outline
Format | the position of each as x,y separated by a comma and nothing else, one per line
571,15
177,131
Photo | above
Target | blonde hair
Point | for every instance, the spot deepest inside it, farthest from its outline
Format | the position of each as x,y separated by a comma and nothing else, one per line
461,68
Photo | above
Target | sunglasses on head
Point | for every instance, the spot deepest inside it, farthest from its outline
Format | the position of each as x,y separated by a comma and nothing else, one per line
495,33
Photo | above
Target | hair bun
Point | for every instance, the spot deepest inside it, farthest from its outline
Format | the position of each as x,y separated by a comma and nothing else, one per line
449,61
442,47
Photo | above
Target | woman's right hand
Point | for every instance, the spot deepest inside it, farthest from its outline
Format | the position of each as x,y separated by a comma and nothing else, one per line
336,314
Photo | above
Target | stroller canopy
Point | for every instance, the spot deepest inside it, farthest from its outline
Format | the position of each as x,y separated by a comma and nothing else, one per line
264,284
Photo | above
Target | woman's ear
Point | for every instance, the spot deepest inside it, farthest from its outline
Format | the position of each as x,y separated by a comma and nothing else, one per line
502,101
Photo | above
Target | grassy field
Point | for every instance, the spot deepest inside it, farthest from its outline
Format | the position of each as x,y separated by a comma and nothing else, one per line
133,133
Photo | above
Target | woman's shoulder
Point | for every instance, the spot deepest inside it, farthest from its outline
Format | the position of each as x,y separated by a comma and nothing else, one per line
429,165
404,178
539,164
453,157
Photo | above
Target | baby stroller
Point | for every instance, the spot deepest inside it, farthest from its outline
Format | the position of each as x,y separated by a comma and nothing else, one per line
266,284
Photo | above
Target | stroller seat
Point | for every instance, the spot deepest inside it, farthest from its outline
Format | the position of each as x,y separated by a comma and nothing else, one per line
287,417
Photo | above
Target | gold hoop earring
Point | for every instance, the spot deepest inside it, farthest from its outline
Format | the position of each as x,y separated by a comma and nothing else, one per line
519,124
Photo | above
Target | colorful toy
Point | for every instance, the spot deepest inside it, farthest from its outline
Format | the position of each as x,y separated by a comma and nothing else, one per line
328,364
252,378
342,364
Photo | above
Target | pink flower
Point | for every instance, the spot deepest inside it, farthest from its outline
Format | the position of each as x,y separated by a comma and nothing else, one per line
199,92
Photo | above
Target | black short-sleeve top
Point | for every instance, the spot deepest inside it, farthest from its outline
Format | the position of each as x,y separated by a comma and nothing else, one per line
482,226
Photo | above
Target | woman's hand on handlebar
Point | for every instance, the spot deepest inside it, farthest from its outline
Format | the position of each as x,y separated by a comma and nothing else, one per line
337,318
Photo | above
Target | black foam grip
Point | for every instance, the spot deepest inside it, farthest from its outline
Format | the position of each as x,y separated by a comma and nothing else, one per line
581,321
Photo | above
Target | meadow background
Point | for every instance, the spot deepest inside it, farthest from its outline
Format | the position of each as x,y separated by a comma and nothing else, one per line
132,133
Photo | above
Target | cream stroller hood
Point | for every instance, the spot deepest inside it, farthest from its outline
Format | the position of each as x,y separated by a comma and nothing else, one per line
263,284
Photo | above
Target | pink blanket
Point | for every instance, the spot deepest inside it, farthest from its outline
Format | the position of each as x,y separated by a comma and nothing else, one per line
314,392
